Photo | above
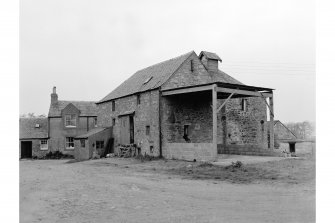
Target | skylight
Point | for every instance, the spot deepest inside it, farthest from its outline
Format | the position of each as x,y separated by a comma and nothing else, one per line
147,80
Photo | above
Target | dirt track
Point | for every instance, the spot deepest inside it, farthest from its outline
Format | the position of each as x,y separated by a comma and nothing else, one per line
115,190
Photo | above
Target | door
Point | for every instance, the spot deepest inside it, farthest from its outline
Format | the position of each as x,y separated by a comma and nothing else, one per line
124,130
26,149
127,129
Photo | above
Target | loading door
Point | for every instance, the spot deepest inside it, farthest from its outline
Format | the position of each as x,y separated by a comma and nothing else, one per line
126,129
26,149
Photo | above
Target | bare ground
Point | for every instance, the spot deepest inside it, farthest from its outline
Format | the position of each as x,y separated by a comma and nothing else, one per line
128,190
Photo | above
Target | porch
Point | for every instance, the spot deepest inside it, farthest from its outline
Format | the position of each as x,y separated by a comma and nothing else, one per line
216,96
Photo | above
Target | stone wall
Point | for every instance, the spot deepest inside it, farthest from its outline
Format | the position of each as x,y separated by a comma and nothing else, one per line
186,77
58,132
146,114
245,128
189,151
36,149
194,111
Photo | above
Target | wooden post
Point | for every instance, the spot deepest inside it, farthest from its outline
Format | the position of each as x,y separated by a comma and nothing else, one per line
271,123
215,125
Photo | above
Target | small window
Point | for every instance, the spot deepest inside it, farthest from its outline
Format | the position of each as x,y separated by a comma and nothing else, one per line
44,144
147,130
69,143
187,139
262,124
37,125
113,105
70,120
95,122
138,99
244,104
147,80
99,144
191,65
113,122
82,143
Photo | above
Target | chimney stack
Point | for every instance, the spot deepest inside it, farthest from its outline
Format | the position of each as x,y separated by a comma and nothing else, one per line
54,96
210,61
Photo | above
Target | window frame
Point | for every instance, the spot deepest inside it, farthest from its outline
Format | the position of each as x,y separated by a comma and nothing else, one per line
73,117
147,130
83,143
44,148
113,105
244,104
68,143
138,99
101,144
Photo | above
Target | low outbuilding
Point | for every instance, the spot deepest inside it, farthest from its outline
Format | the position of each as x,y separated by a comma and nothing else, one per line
96,143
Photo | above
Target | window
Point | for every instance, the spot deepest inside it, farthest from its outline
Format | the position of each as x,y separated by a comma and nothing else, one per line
138,99
69,143
262,124
99,144
82,143
113,105
147,80
191,65
244,104
147,130
95,122
70,120
44,144
186,133
113,122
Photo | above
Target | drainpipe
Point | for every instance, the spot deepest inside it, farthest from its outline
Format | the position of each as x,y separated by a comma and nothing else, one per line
160,123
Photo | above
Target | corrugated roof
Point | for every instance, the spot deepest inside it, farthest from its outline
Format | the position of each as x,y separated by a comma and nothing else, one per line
90,133
28,129
87,108
136,83
210,55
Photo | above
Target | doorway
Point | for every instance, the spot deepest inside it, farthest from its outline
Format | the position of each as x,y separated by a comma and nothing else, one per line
26,149
127,129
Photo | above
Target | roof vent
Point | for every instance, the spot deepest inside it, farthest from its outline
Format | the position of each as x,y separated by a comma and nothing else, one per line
147,80
37,125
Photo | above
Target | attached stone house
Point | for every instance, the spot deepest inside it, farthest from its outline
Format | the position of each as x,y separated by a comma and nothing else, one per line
187,108
33,137
68,119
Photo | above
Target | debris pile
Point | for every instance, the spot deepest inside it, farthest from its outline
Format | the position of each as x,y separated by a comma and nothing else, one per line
126,151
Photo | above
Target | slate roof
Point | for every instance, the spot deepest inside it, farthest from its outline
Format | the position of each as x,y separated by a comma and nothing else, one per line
210,55
160,73
28,128
87,108
90,133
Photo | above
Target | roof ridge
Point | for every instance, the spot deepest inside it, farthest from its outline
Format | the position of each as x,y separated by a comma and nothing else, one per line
174,58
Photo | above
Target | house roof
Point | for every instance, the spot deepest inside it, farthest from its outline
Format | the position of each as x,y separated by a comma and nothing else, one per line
210,55
156,75
91,132
87,108
33,128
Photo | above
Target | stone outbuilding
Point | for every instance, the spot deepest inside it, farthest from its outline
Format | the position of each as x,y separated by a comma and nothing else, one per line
97,142
187,108
33,137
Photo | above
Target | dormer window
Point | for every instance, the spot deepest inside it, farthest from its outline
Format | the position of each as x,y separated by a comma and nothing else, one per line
70,121
147,80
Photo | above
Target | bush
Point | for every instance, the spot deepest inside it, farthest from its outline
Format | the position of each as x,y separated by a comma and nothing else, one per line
237,164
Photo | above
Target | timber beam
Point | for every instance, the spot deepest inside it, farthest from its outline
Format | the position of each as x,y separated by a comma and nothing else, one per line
244,92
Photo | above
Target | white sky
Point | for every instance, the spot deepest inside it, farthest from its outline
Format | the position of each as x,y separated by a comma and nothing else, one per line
87,48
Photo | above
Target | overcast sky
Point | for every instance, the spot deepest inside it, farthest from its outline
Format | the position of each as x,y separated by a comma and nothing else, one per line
87,48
